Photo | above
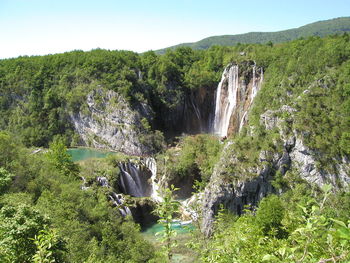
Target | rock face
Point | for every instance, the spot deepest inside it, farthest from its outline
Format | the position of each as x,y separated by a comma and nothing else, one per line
108,122
192,113
235,196
302,158
249,190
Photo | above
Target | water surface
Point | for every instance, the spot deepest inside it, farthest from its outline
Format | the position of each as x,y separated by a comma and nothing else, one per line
81,154
177,226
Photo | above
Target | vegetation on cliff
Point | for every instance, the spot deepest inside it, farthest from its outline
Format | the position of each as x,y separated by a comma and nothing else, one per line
41,200
296,227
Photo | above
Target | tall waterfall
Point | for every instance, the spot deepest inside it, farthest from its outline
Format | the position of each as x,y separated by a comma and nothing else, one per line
225,105
234,96
256,82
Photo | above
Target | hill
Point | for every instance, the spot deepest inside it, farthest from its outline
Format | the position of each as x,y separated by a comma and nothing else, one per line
320,28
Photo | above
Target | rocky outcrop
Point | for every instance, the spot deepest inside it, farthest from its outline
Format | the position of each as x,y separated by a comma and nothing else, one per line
107,121
191,111
142,212
302,158
245,191
250,187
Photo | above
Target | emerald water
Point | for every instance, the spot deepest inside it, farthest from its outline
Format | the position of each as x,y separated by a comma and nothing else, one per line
81,154
177,226
181,253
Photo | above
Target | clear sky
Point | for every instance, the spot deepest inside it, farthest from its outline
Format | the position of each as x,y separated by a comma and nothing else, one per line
36,27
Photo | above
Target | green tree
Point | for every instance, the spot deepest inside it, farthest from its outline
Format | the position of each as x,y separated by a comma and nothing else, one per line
269,215
166,211
61,160
50,248
5,180
18,228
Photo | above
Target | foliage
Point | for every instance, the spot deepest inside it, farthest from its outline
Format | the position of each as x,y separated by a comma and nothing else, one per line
194,156
60,158
166,211
5,180
269,216
39,94
49,247
18,227
310,235
83,225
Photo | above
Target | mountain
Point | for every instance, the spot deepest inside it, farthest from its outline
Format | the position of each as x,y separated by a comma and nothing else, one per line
320,28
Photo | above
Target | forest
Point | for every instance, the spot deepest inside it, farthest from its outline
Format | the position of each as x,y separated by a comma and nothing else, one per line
45,216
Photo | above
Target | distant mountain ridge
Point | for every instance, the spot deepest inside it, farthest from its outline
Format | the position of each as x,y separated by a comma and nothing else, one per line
320,28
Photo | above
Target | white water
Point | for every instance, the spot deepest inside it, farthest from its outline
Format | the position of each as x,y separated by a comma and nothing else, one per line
117,199
255,87
224,108
151,164
130,180
243,120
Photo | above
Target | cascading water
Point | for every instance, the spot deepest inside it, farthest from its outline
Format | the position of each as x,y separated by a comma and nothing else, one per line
234,97
83,186
117,199
197,112
130,180
254,88
225,105
151,164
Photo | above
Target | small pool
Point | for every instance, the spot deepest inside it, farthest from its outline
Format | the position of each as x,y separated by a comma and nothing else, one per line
81,154
179,226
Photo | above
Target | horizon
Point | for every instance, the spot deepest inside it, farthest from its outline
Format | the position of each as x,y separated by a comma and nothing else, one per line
39,27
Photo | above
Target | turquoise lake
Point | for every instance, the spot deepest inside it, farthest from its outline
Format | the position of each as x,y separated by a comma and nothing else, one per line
179,228
81,154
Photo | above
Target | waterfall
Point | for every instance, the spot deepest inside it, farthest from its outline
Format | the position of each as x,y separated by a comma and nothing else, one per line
130,180
102,181
243,120
234,98
83,186
197,112
151,164
117,199
225,106
254,88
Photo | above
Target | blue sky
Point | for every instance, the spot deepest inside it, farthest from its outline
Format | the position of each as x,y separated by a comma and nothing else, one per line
36,27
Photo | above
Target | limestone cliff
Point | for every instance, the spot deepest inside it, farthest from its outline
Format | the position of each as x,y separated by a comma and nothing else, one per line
234,189
191,113
107,121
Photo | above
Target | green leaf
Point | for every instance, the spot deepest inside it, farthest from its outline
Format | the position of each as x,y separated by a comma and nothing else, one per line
269,257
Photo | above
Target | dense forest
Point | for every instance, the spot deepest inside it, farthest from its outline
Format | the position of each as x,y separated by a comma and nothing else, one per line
46,216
